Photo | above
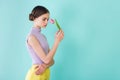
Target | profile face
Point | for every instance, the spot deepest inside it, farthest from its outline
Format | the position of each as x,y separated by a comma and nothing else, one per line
43,20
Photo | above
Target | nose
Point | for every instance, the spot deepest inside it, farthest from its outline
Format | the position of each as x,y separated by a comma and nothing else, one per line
46,21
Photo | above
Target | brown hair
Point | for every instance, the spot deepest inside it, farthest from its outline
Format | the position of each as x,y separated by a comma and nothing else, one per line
37,11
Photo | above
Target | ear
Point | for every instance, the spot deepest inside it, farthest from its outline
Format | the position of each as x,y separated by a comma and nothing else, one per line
35,19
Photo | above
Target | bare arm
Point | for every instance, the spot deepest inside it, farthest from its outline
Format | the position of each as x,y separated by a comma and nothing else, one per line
41,68
38,49
50,64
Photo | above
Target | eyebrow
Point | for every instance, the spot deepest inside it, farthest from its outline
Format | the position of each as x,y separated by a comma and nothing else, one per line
46,18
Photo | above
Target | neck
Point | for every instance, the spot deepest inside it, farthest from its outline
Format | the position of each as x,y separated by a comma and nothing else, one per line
36,25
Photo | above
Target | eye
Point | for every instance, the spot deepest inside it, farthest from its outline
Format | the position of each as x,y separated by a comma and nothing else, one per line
44,19
48,19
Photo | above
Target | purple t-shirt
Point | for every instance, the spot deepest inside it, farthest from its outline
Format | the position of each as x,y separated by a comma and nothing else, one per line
43,43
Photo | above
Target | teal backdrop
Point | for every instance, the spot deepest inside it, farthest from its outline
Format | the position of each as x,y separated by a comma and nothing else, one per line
91,46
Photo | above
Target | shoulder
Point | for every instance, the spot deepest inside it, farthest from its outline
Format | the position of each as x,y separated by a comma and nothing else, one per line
32,39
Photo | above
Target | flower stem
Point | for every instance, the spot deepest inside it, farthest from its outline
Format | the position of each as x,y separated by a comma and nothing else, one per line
58,26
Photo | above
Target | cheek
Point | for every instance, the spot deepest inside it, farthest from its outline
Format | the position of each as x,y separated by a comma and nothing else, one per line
40,21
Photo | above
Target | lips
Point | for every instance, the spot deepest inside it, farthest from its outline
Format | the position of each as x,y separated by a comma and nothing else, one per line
45,25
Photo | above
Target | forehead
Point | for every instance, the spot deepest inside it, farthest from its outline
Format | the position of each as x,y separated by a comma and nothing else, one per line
45,15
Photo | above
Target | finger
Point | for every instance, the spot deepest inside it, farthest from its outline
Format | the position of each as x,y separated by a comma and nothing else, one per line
62,33
62,36
38,72
58,32
43,65
36,67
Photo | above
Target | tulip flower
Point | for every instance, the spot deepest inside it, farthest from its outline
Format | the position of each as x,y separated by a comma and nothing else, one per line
56,23
52,21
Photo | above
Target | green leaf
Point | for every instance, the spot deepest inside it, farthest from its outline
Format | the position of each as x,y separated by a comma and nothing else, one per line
58,26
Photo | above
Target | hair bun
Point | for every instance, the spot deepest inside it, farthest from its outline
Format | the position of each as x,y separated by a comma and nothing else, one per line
37,11
31,17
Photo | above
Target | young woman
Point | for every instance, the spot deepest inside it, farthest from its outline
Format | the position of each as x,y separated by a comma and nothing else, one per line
41,54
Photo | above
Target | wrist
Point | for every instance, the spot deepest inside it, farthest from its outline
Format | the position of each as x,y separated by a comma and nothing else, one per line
56,43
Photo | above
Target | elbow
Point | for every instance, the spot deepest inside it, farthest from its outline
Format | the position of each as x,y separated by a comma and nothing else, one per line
46,61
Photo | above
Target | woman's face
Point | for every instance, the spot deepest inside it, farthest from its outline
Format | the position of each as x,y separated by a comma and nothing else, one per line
43,20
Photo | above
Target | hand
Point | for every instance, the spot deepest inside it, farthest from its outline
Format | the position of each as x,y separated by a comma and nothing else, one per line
59,36
40,69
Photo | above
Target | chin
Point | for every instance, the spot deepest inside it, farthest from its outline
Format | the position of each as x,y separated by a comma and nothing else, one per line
44,27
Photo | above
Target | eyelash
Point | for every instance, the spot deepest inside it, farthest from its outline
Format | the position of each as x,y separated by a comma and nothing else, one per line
45,19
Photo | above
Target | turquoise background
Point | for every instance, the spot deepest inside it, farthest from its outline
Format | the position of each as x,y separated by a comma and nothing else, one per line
89,51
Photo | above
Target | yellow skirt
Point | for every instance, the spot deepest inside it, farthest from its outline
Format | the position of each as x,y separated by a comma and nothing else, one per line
32,76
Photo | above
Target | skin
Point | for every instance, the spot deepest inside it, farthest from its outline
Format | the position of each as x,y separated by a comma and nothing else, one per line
41,22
